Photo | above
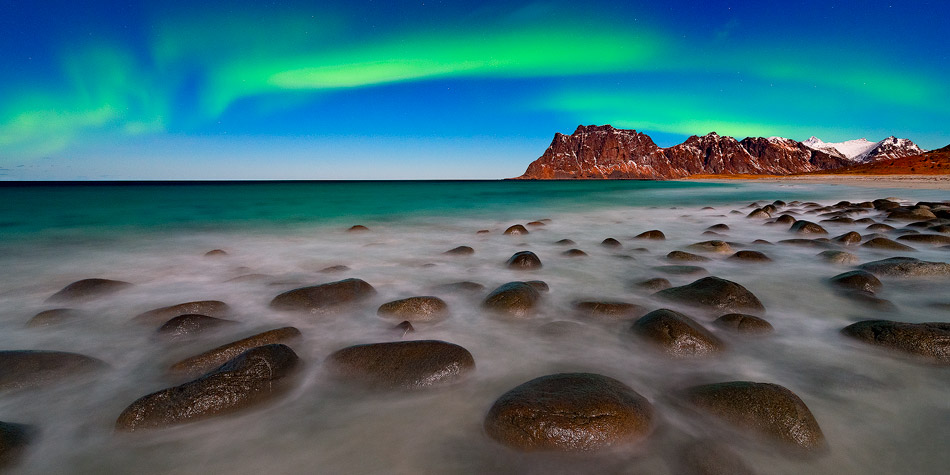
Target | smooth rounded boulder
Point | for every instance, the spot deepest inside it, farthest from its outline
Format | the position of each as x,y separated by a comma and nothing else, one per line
88,289
906,267
887,244
838,257
930,341
189,325
763,408
676,334
204,362
654,234
857,280
574,253
408,365
211,308
607,310
53,316
654,284
686,256
415,309
460,251
807,227
524,260
325,297
750,256
570,412
516,299
516,230
611,242
850,237
713,293
21,369
253,377
932,239
744,323
718,246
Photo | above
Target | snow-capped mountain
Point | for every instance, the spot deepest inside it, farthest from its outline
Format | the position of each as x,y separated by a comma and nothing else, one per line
863,150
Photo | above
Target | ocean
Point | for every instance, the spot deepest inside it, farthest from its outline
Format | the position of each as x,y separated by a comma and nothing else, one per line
879,413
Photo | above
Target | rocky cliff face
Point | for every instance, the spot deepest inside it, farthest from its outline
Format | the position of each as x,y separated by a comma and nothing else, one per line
605,152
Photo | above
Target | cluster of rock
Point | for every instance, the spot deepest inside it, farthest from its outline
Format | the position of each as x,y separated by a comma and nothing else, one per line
565,411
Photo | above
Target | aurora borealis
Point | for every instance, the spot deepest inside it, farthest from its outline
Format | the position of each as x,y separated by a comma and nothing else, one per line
326,90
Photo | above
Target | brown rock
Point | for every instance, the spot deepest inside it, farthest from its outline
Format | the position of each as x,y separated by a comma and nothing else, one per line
652,234
711,246
686,256
678,335
334,269
857,280
516,299
914,214
22,369
574,253
759,213
569,412
750,256
524,260
325,297
88,289
848,238
654,284
608,310
742,323
764,408
415,309
516,230
211,308
934,239
713,293
54,316
611,242
566,242
718,227
216,253
785,219
184,326
807,227
460,251
906,267
483,231
838,257
539,285
402,365
249,379
536,223
359,228
204,362
880,227
404,328
928,340
885,243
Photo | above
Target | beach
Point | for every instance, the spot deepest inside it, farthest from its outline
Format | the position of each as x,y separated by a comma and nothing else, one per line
586,317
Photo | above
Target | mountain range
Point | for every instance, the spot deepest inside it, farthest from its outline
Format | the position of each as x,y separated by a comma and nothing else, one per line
602,151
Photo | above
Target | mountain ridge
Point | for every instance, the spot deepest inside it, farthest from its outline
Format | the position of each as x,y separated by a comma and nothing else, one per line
604,152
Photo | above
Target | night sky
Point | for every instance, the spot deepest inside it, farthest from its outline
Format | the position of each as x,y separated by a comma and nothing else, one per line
397,90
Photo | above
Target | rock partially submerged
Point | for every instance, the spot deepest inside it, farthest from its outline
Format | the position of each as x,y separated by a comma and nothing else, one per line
211,308
253,377
325,297
21,369
402,365
857,280
516,299
53,316
189,325
764,408
928,340
744,323
524,260
571,412
415,309
607,310
204,362
906,267
676,334
88,289
713,293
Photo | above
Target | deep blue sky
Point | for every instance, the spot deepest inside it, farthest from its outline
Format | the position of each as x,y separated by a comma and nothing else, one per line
325,90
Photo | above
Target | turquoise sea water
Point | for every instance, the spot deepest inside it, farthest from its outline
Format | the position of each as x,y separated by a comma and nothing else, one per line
280,236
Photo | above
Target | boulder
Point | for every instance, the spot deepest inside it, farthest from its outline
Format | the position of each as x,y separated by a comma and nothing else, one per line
718,227
516,230
88,289
14,439
655,284
913,214
807,227
759,213
676,334
686,256
611,242
857,280
763,408
743,323
204,362
415,309
524,260
713,293
934,239
711,246
607,310
539,285
359,228
184,326
251,378
838,257
334,269
571,412
880,227
402,365
750,256
652,234
211,308
516,299
906,267
460,251
22,369
785,219
216,253
885,243
928,340
52,317
565,242
574,253
323,298
848,238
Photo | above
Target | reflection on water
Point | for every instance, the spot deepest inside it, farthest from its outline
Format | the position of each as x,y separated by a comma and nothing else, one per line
864,400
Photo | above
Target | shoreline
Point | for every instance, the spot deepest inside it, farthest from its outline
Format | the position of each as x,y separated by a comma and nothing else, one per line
917,182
